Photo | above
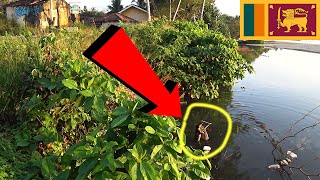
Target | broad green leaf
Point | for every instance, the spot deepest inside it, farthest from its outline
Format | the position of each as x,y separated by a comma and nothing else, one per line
184,137
69,83
175,146
86,93
110,86
23,138
78,101
98,169
203,173
86,167
88,104
174,166
53,100
165,175
66,159
137,152
48,169
155,150
90,83
109,161
73,123
171,122
73,95
98,104
131,126
120,111
135,173
63,175
166,167
47,83
84,152
118,121
147,171
135,106
100,116
150,130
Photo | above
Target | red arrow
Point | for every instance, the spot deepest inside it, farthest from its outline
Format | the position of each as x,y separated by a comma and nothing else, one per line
114,52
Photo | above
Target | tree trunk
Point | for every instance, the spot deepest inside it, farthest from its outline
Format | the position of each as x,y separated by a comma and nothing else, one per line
170,18
175,14
148,8
202,10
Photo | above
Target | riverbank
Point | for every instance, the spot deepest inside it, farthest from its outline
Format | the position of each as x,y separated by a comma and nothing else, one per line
306,47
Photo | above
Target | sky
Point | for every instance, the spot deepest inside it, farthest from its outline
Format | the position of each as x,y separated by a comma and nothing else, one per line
230,7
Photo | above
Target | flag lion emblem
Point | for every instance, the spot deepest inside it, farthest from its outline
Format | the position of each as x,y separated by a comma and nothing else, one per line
291,19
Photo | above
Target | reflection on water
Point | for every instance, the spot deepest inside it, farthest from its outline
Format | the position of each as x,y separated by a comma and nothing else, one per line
263,106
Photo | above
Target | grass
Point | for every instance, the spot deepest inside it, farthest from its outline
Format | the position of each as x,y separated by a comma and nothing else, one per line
21,52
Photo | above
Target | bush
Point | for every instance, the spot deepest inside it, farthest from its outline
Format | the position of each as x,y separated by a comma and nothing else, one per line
200,59
86,126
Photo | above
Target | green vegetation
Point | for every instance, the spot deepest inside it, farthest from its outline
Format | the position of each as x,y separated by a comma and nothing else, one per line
65,118
225,24
200,59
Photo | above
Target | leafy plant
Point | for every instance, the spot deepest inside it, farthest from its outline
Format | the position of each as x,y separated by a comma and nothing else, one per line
200,59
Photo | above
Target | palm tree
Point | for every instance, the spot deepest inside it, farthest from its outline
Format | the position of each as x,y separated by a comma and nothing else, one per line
115,6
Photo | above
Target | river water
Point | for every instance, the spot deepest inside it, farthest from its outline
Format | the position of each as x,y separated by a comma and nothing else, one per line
264,105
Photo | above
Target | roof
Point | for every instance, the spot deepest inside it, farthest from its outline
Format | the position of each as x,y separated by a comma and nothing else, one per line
133,6
115,17
24,3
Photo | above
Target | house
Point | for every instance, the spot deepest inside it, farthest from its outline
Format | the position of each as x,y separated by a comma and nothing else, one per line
40,13
135,12
107,19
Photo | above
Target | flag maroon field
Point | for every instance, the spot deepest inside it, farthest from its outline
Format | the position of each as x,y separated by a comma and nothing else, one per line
274,16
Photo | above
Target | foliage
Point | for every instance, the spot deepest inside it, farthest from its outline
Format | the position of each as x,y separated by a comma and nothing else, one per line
115,6
19,54
225,24
187,11
200,59
140,3
78,123
92,12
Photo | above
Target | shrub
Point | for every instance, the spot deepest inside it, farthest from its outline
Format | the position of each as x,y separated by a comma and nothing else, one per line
85,126
200,59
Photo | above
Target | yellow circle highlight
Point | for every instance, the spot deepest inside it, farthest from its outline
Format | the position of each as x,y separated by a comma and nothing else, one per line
184,125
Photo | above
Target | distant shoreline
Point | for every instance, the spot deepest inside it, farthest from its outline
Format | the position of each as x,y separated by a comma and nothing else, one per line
305,47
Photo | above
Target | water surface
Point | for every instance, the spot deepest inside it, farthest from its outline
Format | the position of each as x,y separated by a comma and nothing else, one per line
264,105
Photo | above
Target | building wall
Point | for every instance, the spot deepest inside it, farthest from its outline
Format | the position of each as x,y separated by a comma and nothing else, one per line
23,14
43,15
136,14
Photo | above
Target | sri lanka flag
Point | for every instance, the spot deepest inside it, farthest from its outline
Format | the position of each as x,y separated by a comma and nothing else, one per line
275,20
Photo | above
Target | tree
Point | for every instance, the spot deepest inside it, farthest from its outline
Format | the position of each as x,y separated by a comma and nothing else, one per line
115,6
215,20
187,10
140,3
92,12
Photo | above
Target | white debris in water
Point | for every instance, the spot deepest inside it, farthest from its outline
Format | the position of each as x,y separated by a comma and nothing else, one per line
274,166
288,160
292,155
206,148
284,162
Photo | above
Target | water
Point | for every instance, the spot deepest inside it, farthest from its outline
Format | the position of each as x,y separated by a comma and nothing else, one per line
263,106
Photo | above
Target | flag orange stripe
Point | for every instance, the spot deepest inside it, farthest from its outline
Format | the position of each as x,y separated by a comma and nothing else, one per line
259,20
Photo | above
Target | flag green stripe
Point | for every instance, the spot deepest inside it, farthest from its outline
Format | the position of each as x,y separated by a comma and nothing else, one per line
249,20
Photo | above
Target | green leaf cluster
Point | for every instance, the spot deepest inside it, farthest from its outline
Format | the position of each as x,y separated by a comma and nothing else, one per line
202,60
